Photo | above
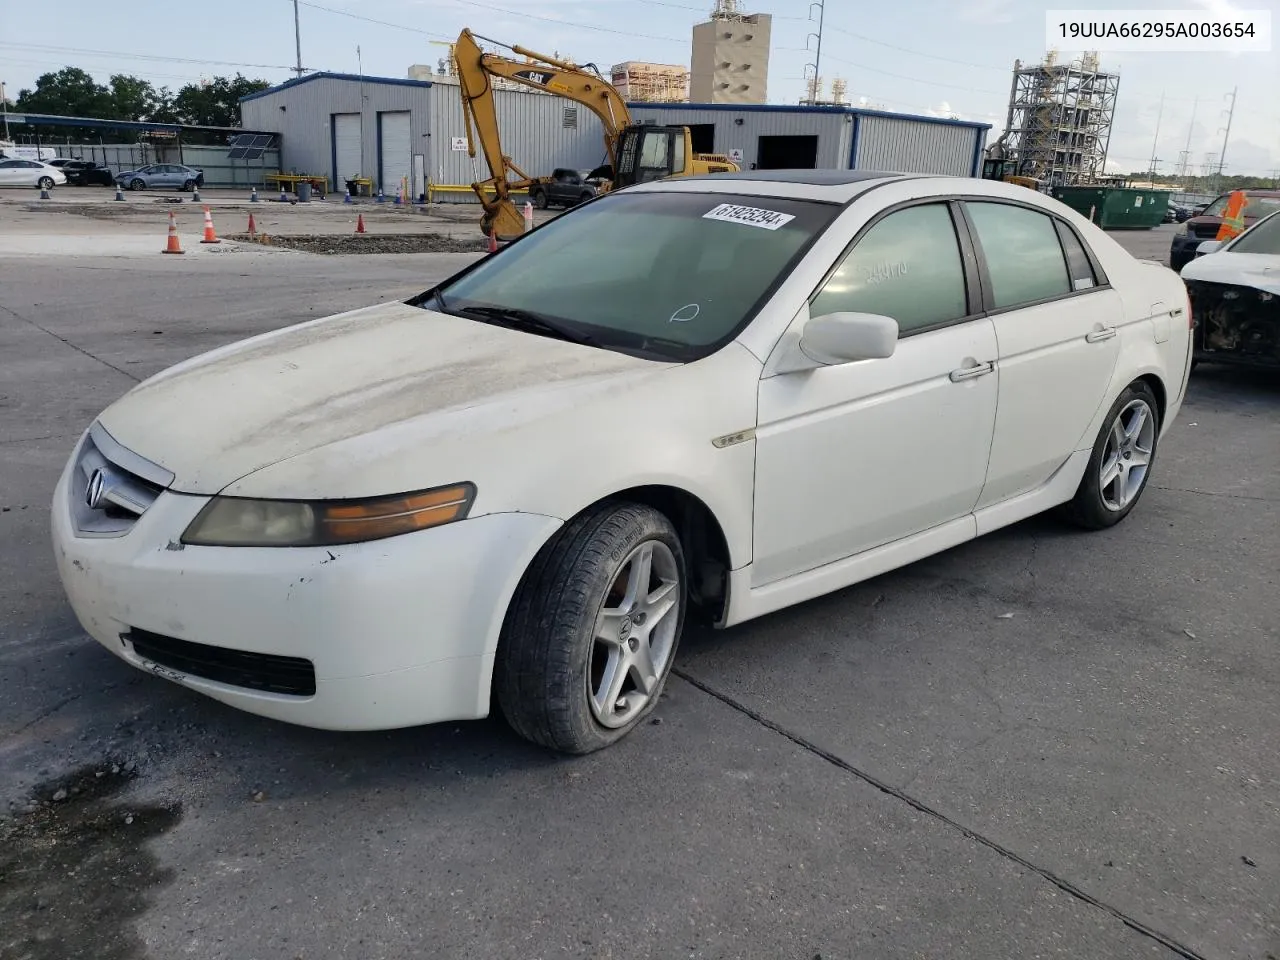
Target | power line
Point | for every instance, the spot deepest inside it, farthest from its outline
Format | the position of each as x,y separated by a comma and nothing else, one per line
570,25
79,51
381,23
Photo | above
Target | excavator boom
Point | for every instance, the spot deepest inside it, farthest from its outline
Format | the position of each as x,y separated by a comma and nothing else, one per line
636,153
475,72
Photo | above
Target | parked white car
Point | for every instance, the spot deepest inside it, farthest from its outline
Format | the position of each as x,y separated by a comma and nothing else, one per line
16,172
1235,291
765,387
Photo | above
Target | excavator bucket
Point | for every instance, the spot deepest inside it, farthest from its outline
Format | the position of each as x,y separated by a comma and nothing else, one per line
504,221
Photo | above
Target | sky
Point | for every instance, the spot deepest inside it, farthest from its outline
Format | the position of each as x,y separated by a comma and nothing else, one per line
914,56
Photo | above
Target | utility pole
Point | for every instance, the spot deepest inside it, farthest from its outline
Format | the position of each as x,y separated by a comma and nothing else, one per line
1151,175
817,60
297,38
4,109
1222,157
1184,161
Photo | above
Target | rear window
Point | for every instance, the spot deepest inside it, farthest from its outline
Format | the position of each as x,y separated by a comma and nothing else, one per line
668,275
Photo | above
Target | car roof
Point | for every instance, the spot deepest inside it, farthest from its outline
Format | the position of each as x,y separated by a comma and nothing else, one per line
833,186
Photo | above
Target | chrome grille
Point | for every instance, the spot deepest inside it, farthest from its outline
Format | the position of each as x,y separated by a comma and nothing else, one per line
111,486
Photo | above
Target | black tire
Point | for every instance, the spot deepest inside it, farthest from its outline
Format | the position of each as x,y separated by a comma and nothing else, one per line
584,197
548,652
137,184
189,186
540,200
1092,508
45,183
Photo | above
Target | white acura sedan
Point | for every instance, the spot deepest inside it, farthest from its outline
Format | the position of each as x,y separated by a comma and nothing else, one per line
710,397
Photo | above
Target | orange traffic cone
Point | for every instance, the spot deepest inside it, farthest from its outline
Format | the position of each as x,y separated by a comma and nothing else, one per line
253,227
209,235
360,223
172,246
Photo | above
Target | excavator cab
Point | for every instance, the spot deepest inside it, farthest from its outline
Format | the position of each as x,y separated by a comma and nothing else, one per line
1009,171
648,152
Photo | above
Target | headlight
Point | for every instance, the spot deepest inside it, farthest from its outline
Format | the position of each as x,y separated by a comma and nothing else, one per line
240,522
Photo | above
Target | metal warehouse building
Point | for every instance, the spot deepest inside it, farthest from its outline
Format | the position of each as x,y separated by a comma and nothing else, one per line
779,137
344,126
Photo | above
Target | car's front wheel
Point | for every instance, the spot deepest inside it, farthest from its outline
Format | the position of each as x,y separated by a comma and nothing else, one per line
1121,462
592,631
45,183
540,200
189,185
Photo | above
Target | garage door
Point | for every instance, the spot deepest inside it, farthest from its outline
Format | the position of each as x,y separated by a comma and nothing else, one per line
346,147
396,159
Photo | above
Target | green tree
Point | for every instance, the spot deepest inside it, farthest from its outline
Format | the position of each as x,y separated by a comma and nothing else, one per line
68,92
216,103
136,99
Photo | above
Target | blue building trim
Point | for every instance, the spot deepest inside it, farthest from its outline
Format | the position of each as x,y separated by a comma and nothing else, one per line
804,108
853,142
324,75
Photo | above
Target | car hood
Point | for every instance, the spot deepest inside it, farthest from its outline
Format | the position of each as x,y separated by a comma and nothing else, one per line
1260,271
226,414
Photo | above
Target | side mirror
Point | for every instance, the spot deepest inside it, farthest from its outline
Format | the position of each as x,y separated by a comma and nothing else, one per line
835,338
1209,246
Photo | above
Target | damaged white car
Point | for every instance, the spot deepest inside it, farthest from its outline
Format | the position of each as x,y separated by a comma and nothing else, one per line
1234,287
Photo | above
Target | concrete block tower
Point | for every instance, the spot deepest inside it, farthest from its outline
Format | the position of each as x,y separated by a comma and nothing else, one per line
730,62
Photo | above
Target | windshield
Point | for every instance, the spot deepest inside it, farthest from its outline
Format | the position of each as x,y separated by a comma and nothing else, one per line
1264,237
669,275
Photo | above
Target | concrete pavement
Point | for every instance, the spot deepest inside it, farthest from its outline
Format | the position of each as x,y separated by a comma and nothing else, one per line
1040,744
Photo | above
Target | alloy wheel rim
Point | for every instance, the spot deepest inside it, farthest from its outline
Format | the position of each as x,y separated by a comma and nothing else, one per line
1126,458
634,635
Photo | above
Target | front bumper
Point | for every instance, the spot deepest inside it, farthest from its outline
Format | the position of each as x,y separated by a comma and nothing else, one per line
398,632
1184,247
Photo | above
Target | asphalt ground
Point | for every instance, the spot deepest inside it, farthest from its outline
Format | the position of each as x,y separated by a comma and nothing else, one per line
1040,744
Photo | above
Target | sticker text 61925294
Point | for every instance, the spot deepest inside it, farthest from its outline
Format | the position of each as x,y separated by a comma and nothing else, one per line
751,216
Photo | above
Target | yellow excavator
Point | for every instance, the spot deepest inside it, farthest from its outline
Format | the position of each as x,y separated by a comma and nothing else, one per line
637,152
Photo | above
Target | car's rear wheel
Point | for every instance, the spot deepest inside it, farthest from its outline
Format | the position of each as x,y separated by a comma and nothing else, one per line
45,183
137,184
1121,462
592,631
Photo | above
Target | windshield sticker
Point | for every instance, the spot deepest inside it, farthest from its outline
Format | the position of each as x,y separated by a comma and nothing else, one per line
751,216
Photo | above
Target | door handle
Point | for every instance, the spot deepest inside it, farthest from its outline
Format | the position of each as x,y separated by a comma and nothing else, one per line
968,373
1097,336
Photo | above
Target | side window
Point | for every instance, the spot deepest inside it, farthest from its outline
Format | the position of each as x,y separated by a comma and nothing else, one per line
1079,269
907,267
1023,253
677,149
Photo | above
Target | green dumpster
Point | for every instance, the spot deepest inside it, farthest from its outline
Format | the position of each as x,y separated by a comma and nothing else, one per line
1117,208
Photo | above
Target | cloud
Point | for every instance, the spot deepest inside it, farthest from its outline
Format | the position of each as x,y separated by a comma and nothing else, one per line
987,11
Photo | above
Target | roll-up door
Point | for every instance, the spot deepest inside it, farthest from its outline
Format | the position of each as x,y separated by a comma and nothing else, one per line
346,148
397,161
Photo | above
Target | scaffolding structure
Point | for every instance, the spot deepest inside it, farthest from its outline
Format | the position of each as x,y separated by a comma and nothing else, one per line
641,82
1059,124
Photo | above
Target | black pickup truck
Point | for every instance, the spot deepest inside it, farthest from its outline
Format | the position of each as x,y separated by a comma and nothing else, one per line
564,188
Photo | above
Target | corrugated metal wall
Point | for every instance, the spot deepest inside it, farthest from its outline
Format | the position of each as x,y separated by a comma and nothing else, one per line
832,129
916,146
536,135
306,124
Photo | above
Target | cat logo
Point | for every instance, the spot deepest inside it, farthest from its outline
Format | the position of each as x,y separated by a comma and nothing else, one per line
540,77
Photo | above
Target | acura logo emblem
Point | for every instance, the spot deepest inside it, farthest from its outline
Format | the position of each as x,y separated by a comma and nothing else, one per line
95,489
